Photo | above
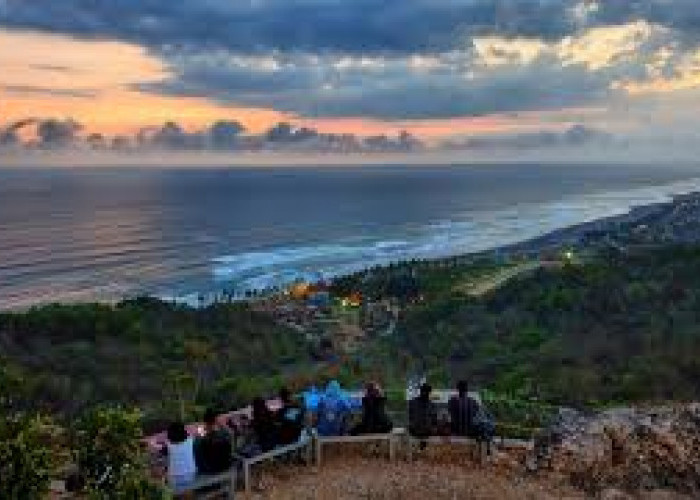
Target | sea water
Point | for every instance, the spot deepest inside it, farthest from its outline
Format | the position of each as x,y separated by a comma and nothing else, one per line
75,234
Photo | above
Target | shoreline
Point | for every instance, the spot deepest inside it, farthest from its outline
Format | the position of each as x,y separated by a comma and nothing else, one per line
553,240
571,235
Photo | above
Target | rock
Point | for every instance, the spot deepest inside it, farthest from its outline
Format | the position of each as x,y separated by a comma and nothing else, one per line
635,450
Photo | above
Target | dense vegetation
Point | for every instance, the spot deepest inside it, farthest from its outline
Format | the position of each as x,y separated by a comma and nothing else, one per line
614,328
167,359
26,456
424,279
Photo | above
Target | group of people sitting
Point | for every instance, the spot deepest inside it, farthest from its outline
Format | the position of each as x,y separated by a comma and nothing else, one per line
212,451
269,429
332,414
467,416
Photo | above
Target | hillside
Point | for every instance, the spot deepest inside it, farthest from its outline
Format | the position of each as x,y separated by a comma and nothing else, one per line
144,352
611,328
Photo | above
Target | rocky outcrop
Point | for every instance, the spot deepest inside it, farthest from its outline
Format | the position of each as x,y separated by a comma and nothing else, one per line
630,449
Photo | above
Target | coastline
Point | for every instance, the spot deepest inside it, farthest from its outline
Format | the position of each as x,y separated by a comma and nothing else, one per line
569,236
532,247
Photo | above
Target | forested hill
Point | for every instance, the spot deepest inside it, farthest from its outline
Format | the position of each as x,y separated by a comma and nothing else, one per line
610,329
156,355
615,328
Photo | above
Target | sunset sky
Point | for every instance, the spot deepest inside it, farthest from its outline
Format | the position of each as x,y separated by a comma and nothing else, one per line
438,68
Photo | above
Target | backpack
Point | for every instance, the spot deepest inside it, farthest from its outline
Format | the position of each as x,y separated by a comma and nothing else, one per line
332,414
484,423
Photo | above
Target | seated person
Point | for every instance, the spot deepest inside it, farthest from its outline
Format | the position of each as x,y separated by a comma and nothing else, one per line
374,417
462,409
182,469
333,411
213,450
244,437
422,414
264,425
468,417
290,419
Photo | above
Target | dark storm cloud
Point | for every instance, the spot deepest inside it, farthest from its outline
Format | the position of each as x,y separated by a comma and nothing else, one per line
54,133
295,25
356,26
447,96
384,88
682,15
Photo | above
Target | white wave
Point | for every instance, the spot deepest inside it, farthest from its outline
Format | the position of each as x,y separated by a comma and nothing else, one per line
467,233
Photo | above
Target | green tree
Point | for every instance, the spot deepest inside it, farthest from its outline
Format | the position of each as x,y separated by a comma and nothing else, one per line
110,456
26,456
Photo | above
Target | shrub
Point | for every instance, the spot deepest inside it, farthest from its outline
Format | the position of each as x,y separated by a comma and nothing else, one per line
110,456
26,456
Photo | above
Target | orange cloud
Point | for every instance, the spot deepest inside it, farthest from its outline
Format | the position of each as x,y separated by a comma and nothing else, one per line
92,82
62,65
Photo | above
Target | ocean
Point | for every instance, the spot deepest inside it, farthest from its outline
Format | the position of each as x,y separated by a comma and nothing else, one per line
78,234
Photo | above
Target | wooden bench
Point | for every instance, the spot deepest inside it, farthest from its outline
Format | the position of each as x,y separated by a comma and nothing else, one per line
224,483
392,438
304,443
441,397
480,446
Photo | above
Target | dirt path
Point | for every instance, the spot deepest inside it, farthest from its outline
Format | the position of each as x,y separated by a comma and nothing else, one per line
493,282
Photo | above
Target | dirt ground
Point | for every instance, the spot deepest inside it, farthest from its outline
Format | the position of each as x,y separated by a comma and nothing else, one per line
374,478
438,473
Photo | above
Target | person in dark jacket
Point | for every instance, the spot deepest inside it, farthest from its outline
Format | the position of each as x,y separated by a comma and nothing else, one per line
264,425
374,417
463,411
213,451
290,419
422,414
468,417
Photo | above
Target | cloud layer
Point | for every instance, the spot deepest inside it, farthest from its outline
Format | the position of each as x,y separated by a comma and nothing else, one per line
221,135
348,26
252,26
574,136
405,88
392,60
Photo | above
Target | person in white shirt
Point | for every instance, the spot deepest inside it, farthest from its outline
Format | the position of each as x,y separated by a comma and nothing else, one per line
182,469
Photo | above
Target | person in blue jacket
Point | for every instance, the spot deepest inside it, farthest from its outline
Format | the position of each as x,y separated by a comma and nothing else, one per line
334,409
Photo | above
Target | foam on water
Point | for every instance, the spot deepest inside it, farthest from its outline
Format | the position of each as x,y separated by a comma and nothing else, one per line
466,233
101,234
